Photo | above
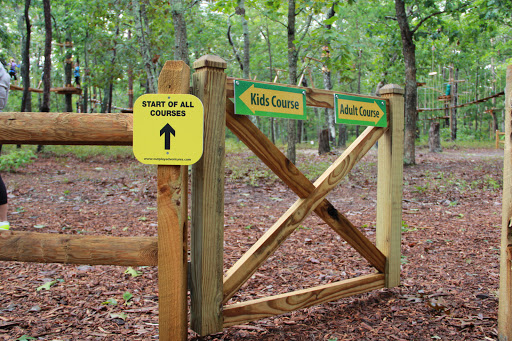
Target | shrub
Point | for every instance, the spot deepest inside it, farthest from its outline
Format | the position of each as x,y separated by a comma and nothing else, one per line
16,159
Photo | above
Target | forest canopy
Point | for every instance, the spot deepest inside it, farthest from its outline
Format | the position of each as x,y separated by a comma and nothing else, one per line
461,48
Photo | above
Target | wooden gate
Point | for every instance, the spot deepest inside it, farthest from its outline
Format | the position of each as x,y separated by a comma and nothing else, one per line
210,292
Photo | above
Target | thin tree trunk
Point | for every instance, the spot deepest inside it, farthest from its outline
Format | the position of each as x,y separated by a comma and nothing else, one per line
141,29
68,67
26,99
454,102
180,31
245,29
292,77
411,114
85,84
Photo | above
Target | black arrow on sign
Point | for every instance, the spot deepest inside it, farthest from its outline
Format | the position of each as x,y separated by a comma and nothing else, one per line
167,130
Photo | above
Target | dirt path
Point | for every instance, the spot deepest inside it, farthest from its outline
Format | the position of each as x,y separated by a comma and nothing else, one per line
450,241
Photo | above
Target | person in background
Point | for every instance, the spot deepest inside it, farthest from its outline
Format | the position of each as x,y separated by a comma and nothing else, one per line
4,93
12,69
77,74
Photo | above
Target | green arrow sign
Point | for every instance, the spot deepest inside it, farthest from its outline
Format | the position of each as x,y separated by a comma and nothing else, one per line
263,99
360,110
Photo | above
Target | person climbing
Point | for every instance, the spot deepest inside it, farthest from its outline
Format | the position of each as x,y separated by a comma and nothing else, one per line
77,73
4,93
12,69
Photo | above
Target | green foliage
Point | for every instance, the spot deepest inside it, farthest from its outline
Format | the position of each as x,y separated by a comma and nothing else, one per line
49,284
132,272
16,159
127,296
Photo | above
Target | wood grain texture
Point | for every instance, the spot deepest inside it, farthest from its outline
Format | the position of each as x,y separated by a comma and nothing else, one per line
262,147
314,97
207,212
505,292
243,269
66,128
389,185
244,312
76,249
172,191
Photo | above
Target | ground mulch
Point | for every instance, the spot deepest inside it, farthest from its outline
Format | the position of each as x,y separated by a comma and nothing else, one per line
450,250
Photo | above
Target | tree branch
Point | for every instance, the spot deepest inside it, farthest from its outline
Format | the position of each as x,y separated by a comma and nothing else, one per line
425,19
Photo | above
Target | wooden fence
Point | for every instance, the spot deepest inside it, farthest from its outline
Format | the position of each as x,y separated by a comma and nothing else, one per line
505,292
211,287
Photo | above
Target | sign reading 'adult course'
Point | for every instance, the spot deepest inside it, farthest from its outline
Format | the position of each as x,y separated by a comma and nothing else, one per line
360,110
168,129
263,99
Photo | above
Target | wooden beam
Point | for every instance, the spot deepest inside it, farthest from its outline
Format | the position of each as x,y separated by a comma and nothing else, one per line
262,147
172,195
314,97
77,249
66,128
20,88
207,229
505,292
389,184
243,269
244,312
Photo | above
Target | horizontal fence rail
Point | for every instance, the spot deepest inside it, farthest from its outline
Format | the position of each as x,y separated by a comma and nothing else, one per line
74,249
66,128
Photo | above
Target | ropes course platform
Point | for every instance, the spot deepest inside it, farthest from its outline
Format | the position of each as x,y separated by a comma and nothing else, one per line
465,104
61,91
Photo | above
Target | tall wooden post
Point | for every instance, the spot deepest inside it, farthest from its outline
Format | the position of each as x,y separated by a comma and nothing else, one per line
389,184
505,293
207,218
172,194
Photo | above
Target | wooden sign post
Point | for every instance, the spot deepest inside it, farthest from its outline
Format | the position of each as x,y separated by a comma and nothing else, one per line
172,193
505,293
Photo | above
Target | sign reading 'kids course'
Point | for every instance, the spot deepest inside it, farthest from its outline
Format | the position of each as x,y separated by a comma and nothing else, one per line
360,110
168,129
262,99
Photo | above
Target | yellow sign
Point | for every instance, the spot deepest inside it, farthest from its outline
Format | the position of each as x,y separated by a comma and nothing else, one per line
168,129
360,110
269,100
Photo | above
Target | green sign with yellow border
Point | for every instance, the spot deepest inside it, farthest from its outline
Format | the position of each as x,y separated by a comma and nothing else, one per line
261,99
360,110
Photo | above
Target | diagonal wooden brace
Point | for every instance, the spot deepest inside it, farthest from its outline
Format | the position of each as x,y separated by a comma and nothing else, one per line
262,147
243,269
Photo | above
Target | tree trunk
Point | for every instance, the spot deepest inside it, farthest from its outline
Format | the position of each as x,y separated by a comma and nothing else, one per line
85,84
454,76
240,10
68,67
45,104
409,52
26,99
141,29
180,31
342,132
434,137
292,77
323,142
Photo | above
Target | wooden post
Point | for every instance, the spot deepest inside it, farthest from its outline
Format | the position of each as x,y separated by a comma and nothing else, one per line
207,224
505,292
497,139
389,184
172,182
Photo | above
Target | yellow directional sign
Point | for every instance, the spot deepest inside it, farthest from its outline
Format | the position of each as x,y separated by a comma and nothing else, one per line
263,99
168,129
360,110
